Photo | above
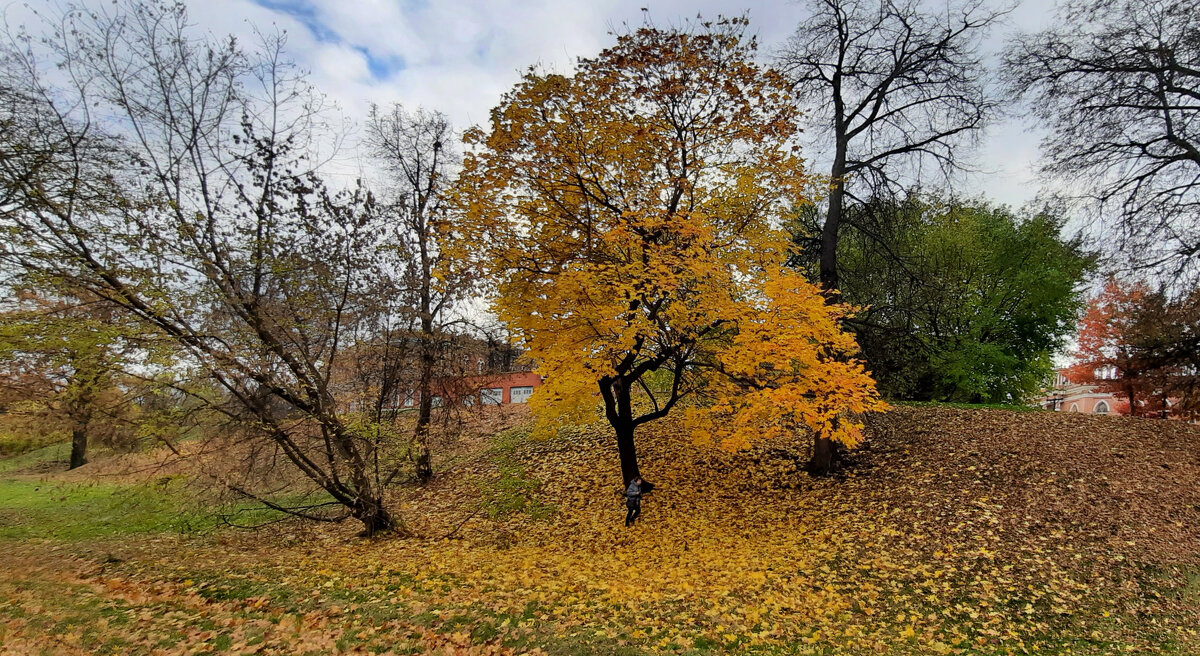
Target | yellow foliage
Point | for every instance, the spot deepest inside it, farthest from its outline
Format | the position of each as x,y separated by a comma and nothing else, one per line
629,217
947,537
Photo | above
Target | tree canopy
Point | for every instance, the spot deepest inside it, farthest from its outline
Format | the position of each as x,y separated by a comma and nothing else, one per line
1141,344
1117,85
173,177
630,216
962,301
62,355
892,91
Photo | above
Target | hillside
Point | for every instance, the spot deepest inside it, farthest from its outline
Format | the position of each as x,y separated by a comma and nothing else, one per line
952,531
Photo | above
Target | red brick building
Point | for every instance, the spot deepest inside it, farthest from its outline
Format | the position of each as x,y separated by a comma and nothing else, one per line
491,374
470,372
493,389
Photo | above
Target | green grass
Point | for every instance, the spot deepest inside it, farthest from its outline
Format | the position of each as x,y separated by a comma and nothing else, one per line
59,452
513,490
71,511
74,512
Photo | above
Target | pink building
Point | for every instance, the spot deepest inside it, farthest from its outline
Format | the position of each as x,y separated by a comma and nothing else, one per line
1066,396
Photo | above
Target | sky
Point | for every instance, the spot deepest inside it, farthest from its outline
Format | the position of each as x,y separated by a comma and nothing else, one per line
460,56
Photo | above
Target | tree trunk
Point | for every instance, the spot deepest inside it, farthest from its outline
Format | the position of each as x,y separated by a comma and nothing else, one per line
424,416
373,515
624,427
823,457
79,407
428,359
79,443
627,451
829,239
618,408
833,219
825,453
424,466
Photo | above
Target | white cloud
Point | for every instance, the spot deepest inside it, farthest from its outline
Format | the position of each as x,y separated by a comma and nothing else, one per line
459,56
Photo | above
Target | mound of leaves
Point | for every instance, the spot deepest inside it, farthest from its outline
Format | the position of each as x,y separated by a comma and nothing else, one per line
952,531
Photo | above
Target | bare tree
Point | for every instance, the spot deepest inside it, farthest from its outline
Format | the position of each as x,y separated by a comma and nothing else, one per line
894,87
174,177
1117,84
416,152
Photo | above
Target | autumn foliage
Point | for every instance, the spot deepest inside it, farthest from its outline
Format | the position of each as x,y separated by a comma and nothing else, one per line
953,535
1112,353
1105,357
1140,344
629,216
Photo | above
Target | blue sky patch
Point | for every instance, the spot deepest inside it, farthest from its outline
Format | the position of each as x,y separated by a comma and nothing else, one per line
380,67
305,12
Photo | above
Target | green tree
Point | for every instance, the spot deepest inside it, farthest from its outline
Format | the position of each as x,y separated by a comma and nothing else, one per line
961,301
64,355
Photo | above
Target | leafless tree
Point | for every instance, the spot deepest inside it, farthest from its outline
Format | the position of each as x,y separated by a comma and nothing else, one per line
1117,85
416,152
893,88
174,177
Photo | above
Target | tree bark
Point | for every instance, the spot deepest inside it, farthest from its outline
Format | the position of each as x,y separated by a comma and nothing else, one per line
825,453
428,356
823,458
79,408
373,515
424,465
627,451
829,239
618,408
79,443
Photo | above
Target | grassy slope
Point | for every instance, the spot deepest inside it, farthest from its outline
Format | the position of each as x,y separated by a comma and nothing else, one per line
956,531
73,512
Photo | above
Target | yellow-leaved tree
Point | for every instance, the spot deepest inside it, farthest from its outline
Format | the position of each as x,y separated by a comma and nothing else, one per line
629,218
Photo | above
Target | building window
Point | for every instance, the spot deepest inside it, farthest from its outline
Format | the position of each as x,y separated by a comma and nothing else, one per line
435,401
492,395
1074,407
409,399
520,394
1101,408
